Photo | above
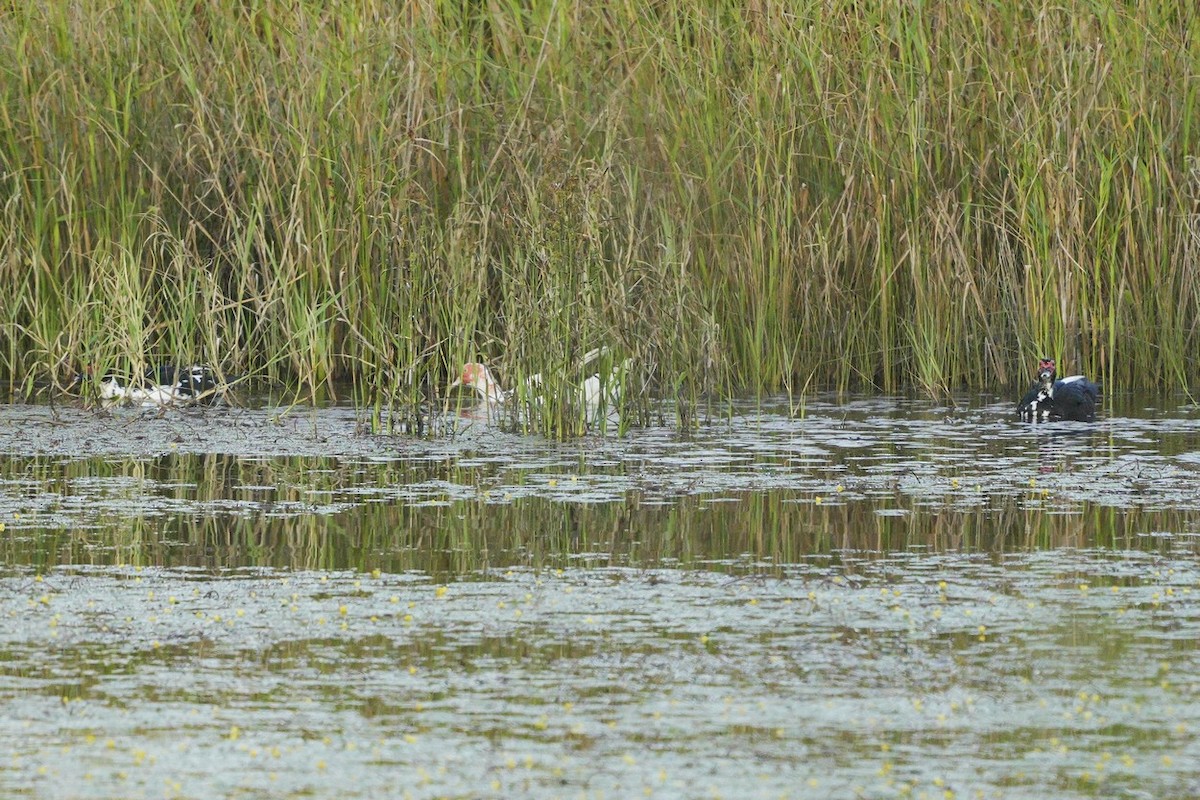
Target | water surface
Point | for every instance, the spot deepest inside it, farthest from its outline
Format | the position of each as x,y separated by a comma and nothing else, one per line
874,598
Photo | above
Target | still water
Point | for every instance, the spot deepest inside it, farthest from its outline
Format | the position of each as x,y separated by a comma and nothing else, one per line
861,598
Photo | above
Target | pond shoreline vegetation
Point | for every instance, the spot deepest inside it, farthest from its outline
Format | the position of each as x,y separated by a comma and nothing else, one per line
739,198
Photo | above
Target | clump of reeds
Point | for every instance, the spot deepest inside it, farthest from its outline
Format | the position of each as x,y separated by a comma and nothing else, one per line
739,197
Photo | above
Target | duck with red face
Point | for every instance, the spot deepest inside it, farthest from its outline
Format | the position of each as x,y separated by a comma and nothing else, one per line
597,395
1053,398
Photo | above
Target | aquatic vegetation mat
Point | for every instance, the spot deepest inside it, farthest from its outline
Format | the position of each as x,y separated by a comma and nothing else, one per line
1066,674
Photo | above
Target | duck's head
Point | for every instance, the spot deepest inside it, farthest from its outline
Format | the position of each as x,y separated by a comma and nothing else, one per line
480,378
1046,371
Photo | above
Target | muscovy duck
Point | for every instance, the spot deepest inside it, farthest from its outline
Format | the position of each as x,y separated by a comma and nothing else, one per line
480,378
1051,398
163,385
596,396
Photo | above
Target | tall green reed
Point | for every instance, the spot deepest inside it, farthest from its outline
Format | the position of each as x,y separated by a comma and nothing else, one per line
737,198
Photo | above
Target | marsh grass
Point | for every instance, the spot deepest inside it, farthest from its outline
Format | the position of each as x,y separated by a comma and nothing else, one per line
738,197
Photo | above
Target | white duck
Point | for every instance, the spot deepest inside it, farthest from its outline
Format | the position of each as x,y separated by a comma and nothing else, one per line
596,396
481,379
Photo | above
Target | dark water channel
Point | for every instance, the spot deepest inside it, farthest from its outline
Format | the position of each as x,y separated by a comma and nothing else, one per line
877,598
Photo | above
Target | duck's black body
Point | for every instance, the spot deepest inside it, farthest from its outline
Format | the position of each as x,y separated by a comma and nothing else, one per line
193,381
1050,398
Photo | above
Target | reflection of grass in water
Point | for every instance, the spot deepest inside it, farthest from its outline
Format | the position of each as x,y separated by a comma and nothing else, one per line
738,199
460,538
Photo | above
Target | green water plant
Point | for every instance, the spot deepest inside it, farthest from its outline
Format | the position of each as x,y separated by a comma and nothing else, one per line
737,198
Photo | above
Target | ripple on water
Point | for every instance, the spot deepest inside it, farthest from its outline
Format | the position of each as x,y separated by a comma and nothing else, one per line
877,598
866,443
586,680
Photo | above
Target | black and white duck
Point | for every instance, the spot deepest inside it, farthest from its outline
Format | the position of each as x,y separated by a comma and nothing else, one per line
1054,398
